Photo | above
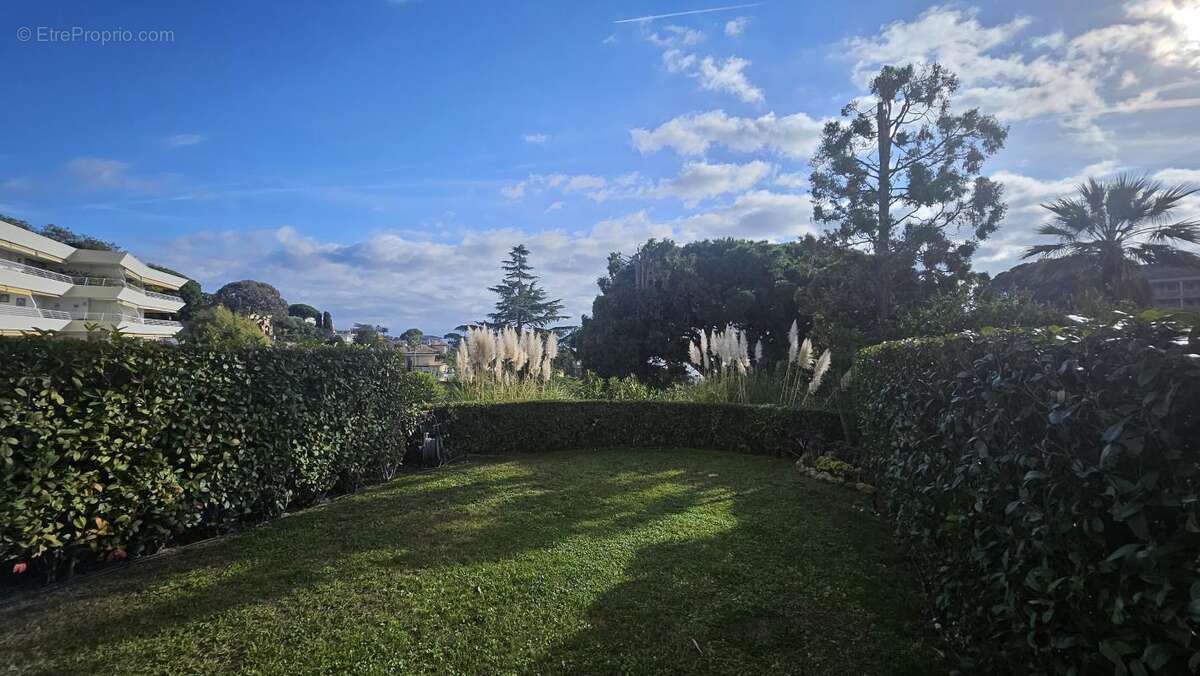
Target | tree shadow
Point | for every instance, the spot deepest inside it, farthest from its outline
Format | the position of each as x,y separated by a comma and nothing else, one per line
823,595
736,601
420,522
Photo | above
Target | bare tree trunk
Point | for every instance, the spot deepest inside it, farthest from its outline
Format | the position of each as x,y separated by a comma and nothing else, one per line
884,230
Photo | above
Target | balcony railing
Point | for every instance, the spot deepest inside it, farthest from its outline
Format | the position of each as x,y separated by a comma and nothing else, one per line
108,281
32,312
38,272
84,281
116,318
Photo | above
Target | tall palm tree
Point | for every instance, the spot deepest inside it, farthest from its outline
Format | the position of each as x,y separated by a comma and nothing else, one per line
1114,226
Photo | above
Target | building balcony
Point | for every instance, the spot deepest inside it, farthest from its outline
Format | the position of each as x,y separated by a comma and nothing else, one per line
21,276
16,319
108,289
81,322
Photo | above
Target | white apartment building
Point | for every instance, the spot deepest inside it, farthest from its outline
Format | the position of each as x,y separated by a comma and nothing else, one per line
47,285
1174,287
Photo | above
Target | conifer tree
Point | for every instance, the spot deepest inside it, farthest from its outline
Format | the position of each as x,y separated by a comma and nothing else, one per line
522,303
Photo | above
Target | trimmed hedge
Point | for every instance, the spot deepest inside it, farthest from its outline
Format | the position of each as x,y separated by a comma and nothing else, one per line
535,426
1050,480
120,446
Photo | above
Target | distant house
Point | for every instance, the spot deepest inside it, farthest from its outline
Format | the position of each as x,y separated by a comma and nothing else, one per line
1174,287
436,343
422,358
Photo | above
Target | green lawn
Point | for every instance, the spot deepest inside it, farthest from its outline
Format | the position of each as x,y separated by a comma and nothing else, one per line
599,562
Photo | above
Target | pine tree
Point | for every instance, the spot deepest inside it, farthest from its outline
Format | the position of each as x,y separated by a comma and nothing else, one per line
522,304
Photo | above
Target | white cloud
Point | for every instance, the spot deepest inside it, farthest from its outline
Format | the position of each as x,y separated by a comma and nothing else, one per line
793,135
725,75
402,278
181,140
673,37
1189,176
609,40
514,192
556,206
593,187
735,27
536,138
1074,79
759,214
796,181
1025,195
698,181
96,173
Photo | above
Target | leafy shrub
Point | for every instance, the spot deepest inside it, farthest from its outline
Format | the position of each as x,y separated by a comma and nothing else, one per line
1051,481
836,467
121,446
218,327
561,425
973,309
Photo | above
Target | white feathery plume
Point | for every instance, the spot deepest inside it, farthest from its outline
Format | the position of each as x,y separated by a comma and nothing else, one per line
551,346
819,371
520,355
535,351
758,354
462,361
496,353
793,341
847,379
694,354
804,356
704,343
508,339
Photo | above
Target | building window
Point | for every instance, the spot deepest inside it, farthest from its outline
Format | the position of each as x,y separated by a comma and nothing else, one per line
5,298
20,301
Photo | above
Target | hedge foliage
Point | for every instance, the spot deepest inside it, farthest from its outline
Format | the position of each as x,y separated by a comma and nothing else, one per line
561,425
1051,481
120,446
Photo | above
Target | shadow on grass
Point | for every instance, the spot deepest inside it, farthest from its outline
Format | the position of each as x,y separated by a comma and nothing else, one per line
825,593
777,592
420,522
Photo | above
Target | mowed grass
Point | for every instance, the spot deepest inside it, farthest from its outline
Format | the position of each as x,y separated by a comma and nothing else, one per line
600,562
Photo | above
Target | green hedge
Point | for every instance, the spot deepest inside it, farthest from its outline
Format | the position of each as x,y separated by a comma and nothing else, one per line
536,426
1050,480
121,446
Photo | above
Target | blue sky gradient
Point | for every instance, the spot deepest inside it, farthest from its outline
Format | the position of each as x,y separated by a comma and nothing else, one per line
376,158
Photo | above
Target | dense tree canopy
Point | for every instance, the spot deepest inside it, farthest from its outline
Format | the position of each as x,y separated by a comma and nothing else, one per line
250,297
369,334
304,311
412,337
900,175
1059,282
522,303
650,302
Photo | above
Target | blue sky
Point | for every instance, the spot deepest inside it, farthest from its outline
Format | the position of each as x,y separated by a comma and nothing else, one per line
376,158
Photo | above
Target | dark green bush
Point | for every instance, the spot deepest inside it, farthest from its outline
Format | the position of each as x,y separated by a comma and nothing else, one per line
1050,480
536,426
121,446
